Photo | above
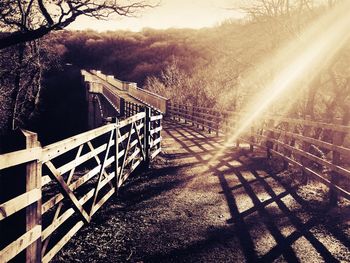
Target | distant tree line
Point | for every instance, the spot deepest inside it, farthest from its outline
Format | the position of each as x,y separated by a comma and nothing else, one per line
24,56
199,67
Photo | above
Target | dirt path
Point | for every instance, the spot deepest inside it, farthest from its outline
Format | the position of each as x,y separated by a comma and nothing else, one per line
234,210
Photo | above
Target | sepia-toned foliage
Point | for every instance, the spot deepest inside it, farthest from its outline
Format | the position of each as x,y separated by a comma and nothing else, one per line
207,67
24,56
32,19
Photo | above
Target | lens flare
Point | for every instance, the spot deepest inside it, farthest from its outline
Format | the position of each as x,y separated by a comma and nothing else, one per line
299,62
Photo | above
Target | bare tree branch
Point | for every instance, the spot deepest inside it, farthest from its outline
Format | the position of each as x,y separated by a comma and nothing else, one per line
30,20
45,12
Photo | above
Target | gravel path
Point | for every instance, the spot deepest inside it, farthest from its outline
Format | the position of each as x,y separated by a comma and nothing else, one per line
187,209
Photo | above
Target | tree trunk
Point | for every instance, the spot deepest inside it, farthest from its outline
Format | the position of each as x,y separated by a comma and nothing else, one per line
310,100
17,86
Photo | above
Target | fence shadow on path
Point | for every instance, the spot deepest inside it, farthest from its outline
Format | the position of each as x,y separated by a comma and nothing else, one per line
279,224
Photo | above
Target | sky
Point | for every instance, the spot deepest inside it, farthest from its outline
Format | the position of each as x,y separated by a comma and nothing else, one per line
170,14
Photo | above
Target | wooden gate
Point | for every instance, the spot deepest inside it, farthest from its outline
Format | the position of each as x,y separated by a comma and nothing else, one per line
74,178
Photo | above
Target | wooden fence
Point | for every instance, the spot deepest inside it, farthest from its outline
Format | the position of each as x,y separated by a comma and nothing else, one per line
204,118
320,150
149,98
68,181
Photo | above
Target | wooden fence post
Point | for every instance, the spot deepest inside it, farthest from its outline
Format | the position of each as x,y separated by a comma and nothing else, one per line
305,148
179,113
116,141
167,106
237,120
337,140
33,211
173,111
126,103
218,122
287,141
197,117
122,107
201,111
252,137
225,121
176,111
147,141
192,115
269,144
209,119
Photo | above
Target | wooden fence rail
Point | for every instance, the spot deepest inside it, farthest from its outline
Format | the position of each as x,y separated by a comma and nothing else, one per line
320,150
146,97
68,181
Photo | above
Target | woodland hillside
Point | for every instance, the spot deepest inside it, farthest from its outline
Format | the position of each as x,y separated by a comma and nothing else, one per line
207,67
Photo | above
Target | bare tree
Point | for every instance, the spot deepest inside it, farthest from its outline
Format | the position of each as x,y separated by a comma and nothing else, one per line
27,20
23,23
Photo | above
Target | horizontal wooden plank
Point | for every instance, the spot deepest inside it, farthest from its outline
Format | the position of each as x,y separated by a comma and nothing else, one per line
259,145
132,156
126,135
204,125
127,173
156,141
156,130
288,159
156,152
20,244
132,119
106,180
184,110
75,185
103,200
18,203
317,142
45,180
53,150
204,115
209,124
152,94
67,214
316,175
62,242
121,153
157,117
132,144
179,106
19,157
341,170
315,124
80,160
58,222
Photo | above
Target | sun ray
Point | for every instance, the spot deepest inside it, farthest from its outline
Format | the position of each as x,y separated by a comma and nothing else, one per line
299,61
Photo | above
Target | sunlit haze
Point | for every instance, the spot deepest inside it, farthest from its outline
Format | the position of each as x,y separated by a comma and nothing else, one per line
170,14
299,61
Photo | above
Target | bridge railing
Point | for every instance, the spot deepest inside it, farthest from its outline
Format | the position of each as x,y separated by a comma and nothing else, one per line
320,150
149,98
154,121
68,181
204,118
131,108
